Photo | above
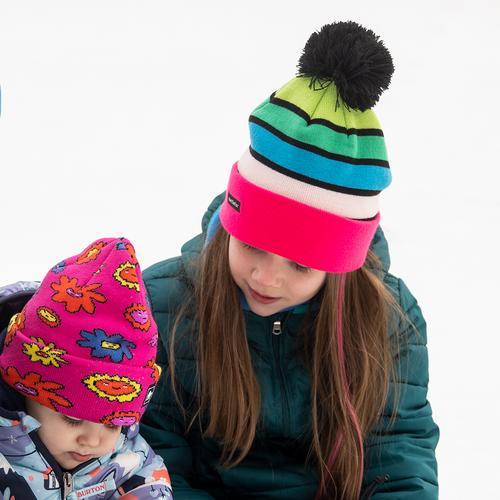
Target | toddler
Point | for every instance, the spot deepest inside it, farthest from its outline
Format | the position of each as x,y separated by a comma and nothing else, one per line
77,365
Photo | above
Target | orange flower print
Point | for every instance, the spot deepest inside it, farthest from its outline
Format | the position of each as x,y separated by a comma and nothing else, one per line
113,387
138,316
131,251
91,253
33,386
155,374
129,248
48,316
76,297
16,324
126,275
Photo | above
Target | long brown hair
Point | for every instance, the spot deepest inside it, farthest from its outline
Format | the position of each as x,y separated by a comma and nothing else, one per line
347,352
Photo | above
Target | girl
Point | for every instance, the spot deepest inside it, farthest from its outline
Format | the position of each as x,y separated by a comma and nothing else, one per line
294,364
77,371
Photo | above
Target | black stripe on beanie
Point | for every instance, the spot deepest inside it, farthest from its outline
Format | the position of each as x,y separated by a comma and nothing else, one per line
316,149
365,220
310,180
320,121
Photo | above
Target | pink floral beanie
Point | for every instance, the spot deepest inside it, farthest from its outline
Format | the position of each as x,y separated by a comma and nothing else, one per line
85,344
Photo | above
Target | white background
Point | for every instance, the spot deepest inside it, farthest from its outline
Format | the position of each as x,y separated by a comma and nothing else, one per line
123,118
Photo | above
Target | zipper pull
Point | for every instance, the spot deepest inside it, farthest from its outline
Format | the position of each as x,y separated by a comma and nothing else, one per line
67,484
277,328
370,489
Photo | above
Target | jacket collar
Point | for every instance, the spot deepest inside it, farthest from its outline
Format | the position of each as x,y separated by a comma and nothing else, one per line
10,400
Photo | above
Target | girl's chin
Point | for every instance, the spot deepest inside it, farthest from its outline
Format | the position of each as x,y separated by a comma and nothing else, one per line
264,310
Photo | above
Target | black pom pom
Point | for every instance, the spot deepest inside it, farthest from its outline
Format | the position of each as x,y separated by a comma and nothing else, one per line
353,58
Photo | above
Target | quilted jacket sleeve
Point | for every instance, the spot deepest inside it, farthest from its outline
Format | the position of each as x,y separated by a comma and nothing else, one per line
150,479
163,426
400,458
12,484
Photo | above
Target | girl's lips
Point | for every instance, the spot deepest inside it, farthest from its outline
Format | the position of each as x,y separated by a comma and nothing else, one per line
79,457
263,299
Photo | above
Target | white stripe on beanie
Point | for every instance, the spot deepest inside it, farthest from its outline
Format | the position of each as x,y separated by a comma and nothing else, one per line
345,205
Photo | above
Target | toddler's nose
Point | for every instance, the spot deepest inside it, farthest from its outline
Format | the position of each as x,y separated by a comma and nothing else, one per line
91,435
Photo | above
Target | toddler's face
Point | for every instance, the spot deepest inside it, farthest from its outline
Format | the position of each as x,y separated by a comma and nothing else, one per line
269,282
71,441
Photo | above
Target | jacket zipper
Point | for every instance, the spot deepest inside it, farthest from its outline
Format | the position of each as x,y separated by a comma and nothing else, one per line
65,479
370,489
67,484
277,330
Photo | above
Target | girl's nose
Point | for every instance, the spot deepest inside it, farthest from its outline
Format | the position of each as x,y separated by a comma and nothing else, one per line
267,271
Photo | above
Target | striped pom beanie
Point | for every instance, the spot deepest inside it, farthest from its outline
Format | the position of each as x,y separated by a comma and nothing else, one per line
308,186
85,343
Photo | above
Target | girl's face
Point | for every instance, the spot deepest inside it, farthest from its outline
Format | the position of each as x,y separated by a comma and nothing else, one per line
69,440
269,282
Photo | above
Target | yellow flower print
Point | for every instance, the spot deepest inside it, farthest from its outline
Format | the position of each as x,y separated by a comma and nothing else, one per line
126,275
47,354
113,387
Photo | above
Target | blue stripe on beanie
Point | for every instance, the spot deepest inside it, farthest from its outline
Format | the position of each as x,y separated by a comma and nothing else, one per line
306,163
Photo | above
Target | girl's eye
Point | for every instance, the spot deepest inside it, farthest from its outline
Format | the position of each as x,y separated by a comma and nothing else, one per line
300,269
249,247
71,421
111,427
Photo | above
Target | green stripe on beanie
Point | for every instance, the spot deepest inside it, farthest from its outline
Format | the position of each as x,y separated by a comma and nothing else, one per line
323,104
294,126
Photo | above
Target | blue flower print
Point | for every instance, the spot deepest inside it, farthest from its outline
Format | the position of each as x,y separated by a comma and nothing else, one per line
59,267
102,345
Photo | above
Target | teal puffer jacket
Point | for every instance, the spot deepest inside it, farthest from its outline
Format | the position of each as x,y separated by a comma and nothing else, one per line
399,464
